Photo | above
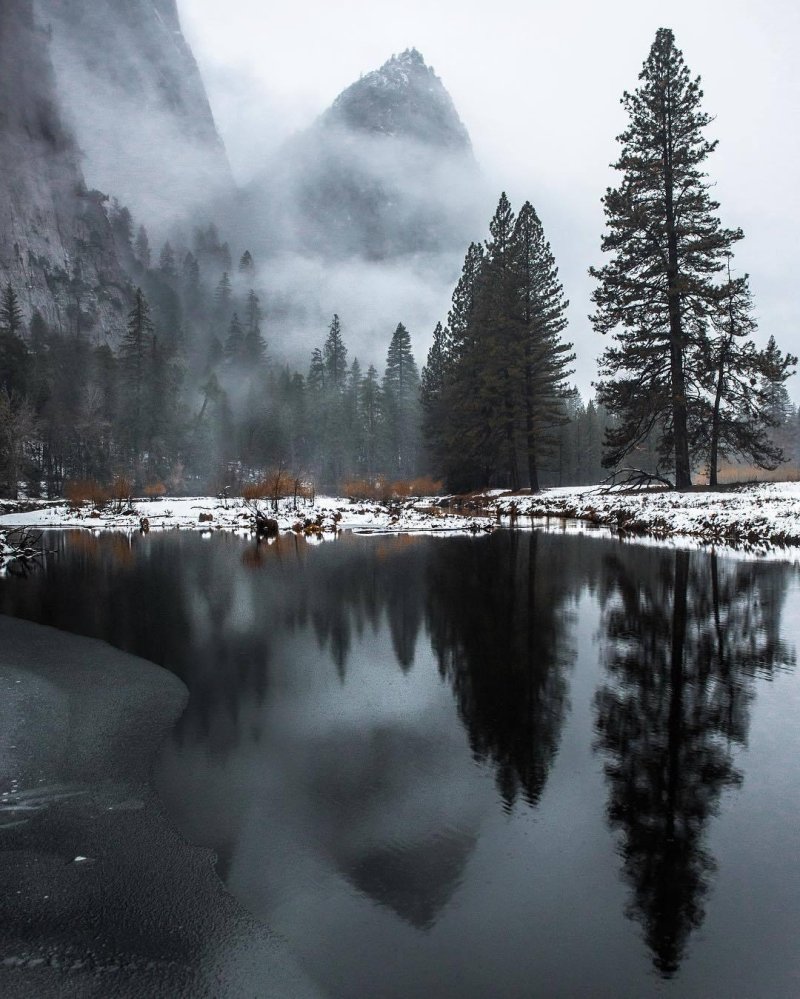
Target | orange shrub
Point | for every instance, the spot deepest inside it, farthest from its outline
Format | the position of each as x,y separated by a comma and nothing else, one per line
79,492
276,485
121,493
155,489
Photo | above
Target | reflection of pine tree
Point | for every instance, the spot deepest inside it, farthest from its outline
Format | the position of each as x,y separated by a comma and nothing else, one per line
683,637
502,640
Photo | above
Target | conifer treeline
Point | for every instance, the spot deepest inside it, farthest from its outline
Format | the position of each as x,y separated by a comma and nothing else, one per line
192,397
159,411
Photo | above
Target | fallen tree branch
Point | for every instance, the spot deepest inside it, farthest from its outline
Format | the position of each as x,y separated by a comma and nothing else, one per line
20,546
633,478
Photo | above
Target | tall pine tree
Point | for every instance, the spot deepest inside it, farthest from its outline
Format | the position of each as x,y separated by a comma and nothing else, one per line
667,242
135,356
401,405
546,356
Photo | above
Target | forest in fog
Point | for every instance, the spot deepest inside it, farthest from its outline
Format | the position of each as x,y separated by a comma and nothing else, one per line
178,340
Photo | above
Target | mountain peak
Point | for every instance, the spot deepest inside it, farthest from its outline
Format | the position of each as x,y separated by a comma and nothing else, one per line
405,99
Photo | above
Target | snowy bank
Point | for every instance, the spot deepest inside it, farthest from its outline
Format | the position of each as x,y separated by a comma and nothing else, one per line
755,517
752,516
323,518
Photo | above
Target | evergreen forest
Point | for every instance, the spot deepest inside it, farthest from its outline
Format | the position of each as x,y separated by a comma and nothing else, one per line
198,398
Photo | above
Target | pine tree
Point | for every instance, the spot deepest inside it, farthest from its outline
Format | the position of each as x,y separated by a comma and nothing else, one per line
135,351
10,312
747,384
494,387
166,262
401,405
316,372
122,227
433,382
498,320
353,419
667,243
255,347
223,297
462,439
335,355
371,419
235,343
142,248
246,264
18,432
190,274
14,356
546,356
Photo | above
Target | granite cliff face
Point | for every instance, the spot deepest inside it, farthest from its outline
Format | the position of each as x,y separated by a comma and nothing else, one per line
386,171
133,96
56,246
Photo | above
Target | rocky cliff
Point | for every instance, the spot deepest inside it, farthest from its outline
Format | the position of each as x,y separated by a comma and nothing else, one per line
56,247
135,100
387,170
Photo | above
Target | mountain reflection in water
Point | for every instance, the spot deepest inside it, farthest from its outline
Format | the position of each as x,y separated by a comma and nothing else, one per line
321,758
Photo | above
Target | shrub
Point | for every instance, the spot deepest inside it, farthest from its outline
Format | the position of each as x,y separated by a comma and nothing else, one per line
121,494
276,485
79,492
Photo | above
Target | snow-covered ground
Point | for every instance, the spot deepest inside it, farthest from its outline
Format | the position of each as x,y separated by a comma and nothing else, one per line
752,516
326,516
756,517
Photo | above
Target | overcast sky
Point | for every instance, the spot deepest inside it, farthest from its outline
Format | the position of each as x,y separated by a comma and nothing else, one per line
538,85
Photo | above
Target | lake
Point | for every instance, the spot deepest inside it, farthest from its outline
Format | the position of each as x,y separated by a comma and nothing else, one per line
529,764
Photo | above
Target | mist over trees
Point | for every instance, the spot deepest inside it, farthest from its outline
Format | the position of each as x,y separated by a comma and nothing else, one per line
188,386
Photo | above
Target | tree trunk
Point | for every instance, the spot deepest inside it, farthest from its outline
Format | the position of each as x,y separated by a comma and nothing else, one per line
713,455
683,470
530,431
533,472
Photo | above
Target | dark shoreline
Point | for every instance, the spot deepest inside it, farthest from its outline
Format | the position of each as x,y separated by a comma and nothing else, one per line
141,912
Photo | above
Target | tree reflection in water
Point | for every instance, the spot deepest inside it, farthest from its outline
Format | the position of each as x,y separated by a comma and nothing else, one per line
683,636
301,668
500,624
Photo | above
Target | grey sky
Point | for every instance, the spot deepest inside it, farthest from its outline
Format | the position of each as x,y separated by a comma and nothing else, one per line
538,86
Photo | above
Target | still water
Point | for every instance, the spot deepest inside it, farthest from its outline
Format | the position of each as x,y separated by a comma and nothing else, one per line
516,766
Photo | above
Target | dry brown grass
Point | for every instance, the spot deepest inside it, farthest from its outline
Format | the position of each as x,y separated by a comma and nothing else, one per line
253,491
365,489
732,474
379,490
